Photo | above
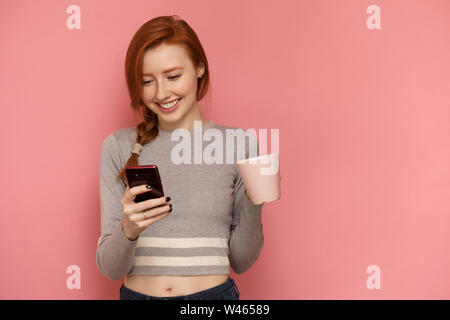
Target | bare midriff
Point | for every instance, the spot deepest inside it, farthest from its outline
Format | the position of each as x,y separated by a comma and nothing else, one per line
171,286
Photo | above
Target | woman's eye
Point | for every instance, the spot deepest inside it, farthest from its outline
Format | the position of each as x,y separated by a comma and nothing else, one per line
172,78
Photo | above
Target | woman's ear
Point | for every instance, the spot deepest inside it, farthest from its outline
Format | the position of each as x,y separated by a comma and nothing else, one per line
200,70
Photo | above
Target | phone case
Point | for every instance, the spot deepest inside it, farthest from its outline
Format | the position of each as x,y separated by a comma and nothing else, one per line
148,174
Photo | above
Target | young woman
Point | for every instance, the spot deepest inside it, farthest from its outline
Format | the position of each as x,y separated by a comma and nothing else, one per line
182,245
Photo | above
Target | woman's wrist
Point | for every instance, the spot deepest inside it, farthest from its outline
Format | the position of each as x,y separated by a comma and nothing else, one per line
131,238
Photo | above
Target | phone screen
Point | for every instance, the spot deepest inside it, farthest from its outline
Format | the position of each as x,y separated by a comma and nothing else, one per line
139,175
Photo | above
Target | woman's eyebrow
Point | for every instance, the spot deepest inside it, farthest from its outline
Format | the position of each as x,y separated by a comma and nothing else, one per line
165,71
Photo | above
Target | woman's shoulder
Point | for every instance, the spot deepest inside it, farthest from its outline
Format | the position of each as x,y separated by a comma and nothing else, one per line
122,136
227,126
123,133
236,131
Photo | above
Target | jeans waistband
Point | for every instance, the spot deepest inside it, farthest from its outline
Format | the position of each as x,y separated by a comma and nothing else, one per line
192,296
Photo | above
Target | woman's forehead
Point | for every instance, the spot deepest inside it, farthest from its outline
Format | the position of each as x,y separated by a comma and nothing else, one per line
160,59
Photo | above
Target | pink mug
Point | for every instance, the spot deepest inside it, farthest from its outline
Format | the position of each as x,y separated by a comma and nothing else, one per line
261,177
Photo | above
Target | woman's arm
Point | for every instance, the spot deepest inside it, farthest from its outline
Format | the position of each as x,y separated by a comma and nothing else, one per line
115,252
246,238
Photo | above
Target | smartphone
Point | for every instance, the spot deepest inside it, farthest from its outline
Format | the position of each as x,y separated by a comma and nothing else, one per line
138,175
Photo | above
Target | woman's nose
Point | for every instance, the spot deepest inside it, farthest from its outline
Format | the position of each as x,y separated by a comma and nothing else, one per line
161,92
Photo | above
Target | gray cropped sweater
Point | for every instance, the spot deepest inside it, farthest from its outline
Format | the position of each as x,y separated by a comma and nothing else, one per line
213,225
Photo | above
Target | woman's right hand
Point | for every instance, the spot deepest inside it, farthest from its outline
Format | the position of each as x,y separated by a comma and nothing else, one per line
138,216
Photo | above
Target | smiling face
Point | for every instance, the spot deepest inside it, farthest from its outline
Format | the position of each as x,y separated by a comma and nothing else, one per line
170,86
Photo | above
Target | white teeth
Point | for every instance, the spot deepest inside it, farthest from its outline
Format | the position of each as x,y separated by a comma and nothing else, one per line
169,105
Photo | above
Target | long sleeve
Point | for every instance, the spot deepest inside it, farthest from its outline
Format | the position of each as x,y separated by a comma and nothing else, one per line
115,252
246,238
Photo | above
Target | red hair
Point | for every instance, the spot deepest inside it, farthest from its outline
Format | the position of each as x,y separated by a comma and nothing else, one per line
167,30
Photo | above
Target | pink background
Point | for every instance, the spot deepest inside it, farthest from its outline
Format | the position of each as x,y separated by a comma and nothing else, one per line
364,139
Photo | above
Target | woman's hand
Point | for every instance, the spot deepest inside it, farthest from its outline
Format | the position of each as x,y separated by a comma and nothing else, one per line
138,216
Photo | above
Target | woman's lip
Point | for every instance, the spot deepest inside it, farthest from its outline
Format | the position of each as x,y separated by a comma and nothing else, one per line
171,109
160,103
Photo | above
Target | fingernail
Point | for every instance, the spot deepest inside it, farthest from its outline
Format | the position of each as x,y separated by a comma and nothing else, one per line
170,206
170,210
167,199
149,186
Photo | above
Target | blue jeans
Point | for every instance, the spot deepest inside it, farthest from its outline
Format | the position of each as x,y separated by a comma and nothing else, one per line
225,291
